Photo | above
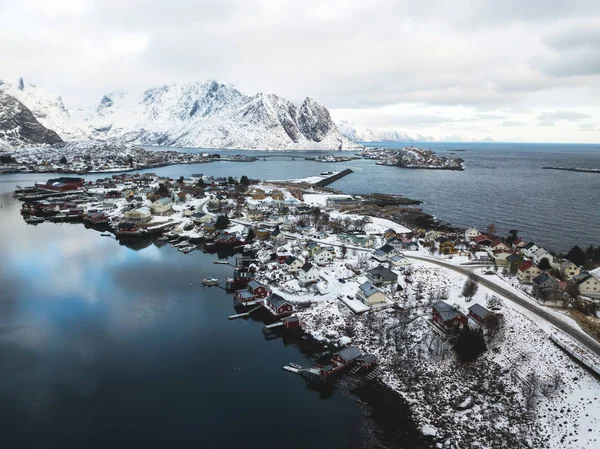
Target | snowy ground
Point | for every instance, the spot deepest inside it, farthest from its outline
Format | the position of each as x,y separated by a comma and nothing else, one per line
563,414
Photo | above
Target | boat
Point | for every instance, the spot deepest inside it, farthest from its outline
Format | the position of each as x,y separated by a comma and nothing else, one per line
106,234
34,220
295,365
210,281
220,262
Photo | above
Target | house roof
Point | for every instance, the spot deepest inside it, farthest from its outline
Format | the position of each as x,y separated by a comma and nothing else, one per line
368,289
290,260
350,353
245,294
143,210
254,284
513,258
529,245
479,311
446,311
543,278
276,301
566,264
581,277
307,267
165,201
526,265
383,273
481,238
386,249
367,358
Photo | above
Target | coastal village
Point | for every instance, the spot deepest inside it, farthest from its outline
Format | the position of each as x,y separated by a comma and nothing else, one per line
406,307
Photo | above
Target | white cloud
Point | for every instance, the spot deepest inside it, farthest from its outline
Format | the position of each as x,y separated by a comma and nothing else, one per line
364,57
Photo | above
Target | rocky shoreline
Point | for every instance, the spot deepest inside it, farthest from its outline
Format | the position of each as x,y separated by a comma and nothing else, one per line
415,158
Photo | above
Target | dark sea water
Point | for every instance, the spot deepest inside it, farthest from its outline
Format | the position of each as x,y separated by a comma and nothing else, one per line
503,183
102,345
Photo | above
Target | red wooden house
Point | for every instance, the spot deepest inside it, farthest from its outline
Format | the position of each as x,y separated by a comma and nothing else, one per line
243,297
447,316
258,290
278,307
346,356
291,322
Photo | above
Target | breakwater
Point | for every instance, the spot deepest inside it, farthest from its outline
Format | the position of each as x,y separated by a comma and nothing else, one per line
333,178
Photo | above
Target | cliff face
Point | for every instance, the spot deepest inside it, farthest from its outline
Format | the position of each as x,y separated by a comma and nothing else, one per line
19,127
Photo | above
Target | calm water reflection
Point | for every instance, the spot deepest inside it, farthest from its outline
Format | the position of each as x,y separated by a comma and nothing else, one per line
104,346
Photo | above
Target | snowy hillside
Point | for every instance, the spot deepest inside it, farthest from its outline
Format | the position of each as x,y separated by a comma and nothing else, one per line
205,115
47,108
358,133
19,127
213,115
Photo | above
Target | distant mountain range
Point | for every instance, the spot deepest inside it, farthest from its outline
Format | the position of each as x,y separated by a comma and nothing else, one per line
358,133
203,115
200,115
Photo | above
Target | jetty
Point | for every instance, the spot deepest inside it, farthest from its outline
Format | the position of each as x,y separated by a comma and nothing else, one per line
326,181
243,315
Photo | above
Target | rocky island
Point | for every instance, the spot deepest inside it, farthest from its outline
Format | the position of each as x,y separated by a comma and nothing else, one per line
410,157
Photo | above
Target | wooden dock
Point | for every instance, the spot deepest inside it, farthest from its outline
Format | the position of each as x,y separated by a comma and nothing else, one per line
245,314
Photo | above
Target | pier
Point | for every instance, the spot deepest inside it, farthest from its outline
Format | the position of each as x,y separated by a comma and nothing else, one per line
333,178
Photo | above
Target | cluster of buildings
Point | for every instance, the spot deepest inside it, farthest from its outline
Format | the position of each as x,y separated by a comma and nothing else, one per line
531,264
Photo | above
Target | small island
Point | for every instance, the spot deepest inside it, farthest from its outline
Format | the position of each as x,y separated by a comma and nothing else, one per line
411,157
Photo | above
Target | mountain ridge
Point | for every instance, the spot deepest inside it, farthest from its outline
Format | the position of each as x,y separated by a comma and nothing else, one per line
202,115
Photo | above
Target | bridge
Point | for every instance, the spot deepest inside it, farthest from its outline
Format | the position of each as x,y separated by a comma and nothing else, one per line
281,156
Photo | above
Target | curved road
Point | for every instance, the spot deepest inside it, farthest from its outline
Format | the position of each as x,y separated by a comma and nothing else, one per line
583,338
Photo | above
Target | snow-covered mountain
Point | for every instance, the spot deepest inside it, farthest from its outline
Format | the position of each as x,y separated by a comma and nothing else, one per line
214,115
358,133
204,115
47,108
19,127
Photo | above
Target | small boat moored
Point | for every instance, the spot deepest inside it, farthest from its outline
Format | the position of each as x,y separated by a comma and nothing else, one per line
210,281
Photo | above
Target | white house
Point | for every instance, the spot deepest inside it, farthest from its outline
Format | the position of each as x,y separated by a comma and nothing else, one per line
589,285
308,274
568,269
529,249
384,253
400,261
540,254
431,235
527,271
471,233
323,257
293,264
369,294
140,215
162,206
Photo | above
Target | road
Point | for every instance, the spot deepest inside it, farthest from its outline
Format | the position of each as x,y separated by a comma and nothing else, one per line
584,339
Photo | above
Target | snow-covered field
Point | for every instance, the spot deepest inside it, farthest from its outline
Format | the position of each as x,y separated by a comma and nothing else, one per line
477,404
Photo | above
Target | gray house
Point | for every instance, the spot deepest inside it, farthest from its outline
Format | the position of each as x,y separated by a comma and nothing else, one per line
380,276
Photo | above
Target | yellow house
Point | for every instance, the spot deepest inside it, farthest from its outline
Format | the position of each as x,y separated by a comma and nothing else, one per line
447,247
369,294
277,195
258,194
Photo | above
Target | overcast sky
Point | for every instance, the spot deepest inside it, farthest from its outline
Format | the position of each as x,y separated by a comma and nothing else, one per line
512,70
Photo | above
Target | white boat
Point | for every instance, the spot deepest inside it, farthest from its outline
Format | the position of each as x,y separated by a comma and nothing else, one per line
210,281
222,262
